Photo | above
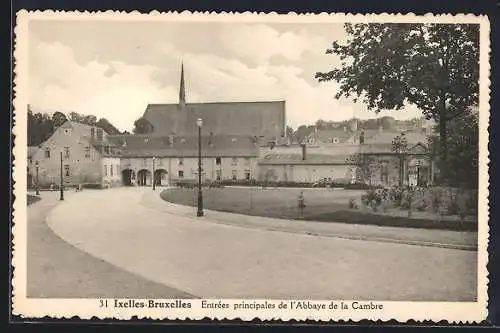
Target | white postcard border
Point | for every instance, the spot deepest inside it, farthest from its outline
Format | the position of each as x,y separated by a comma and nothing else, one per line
456,312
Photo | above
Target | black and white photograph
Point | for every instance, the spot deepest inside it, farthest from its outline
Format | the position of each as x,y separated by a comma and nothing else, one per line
214,165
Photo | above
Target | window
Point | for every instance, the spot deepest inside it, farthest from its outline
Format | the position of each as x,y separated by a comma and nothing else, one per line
218,174
218,161
181,161
160,161
180,173
66,152
47,153
30,160
234,174
247,161
66,170
100,134
87,152
144,161
234,161
92,133
247,174
106,149
111,170
105,169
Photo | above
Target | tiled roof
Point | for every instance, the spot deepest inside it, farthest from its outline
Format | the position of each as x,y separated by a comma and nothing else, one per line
296,159
155,145
229,118
326,136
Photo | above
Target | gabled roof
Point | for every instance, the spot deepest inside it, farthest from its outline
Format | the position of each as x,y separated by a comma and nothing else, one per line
231,118
175,146
326,136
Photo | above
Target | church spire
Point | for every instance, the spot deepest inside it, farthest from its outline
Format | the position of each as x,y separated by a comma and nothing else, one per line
182,89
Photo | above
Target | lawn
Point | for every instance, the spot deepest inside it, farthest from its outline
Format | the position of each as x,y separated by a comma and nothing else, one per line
323,205
279,203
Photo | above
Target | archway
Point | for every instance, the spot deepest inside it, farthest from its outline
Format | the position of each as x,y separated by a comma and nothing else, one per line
143,177
161,177
127,176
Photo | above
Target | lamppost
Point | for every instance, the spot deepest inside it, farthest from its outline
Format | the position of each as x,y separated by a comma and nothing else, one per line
199,123
154,180
37,189
418,172
61,190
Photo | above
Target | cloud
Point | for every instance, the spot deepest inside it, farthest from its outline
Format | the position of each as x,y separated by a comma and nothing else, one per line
243,62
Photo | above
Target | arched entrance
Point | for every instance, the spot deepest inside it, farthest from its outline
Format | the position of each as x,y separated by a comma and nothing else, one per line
127,177
161,177
143,177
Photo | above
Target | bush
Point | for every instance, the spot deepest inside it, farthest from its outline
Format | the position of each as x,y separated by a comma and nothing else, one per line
92,186
353,204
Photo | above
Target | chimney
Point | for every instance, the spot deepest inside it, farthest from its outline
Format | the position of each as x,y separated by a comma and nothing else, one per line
304,152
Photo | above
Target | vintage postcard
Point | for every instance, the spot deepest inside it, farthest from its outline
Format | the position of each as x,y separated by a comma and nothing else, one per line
242,166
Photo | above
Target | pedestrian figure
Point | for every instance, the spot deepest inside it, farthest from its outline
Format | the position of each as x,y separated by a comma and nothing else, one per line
51,187
301,203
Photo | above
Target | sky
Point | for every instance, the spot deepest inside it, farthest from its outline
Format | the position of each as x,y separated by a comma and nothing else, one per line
114,69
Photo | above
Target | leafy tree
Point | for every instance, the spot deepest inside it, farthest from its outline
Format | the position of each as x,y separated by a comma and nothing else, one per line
76,117
432,66
107,126
365,166
58,118
463,148
400,148
142,126
289,132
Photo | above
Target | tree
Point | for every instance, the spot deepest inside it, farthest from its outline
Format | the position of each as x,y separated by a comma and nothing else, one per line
463,150
58,118
365,166
289,132
400,148
107,126
432,66
142,126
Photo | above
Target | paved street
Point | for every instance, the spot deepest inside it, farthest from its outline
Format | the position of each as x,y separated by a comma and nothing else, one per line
57,269
133,229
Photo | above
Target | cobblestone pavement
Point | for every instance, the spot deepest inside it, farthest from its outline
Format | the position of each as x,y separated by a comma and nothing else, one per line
134,230
56,269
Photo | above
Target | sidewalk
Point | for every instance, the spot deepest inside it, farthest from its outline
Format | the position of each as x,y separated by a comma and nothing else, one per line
410,236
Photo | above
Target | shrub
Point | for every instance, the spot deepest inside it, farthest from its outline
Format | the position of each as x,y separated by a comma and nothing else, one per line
353,204
396,195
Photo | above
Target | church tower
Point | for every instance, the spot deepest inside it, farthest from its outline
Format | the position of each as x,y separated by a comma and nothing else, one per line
182,89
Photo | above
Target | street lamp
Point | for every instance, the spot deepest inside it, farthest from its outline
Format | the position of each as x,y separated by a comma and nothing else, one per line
154,173
61,191
37,189
418,172
199,123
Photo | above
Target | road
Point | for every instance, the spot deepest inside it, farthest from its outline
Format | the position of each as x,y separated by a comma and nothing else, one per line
56,269
133,229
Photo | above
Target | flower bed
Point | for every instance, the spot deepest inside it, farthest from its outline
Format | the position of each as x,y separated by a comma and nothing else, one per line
435,203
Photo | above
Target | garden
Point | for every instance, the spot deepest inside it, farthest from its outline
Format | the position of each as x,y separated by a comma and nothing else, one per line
430,208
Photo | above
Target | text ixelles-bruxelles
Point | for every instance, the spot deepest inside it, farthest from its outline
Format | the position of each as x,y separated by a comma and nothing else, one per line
243,305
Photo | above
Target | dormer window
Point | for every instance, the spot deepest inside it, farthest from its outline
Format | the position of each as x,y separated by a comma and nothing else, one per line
233,140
